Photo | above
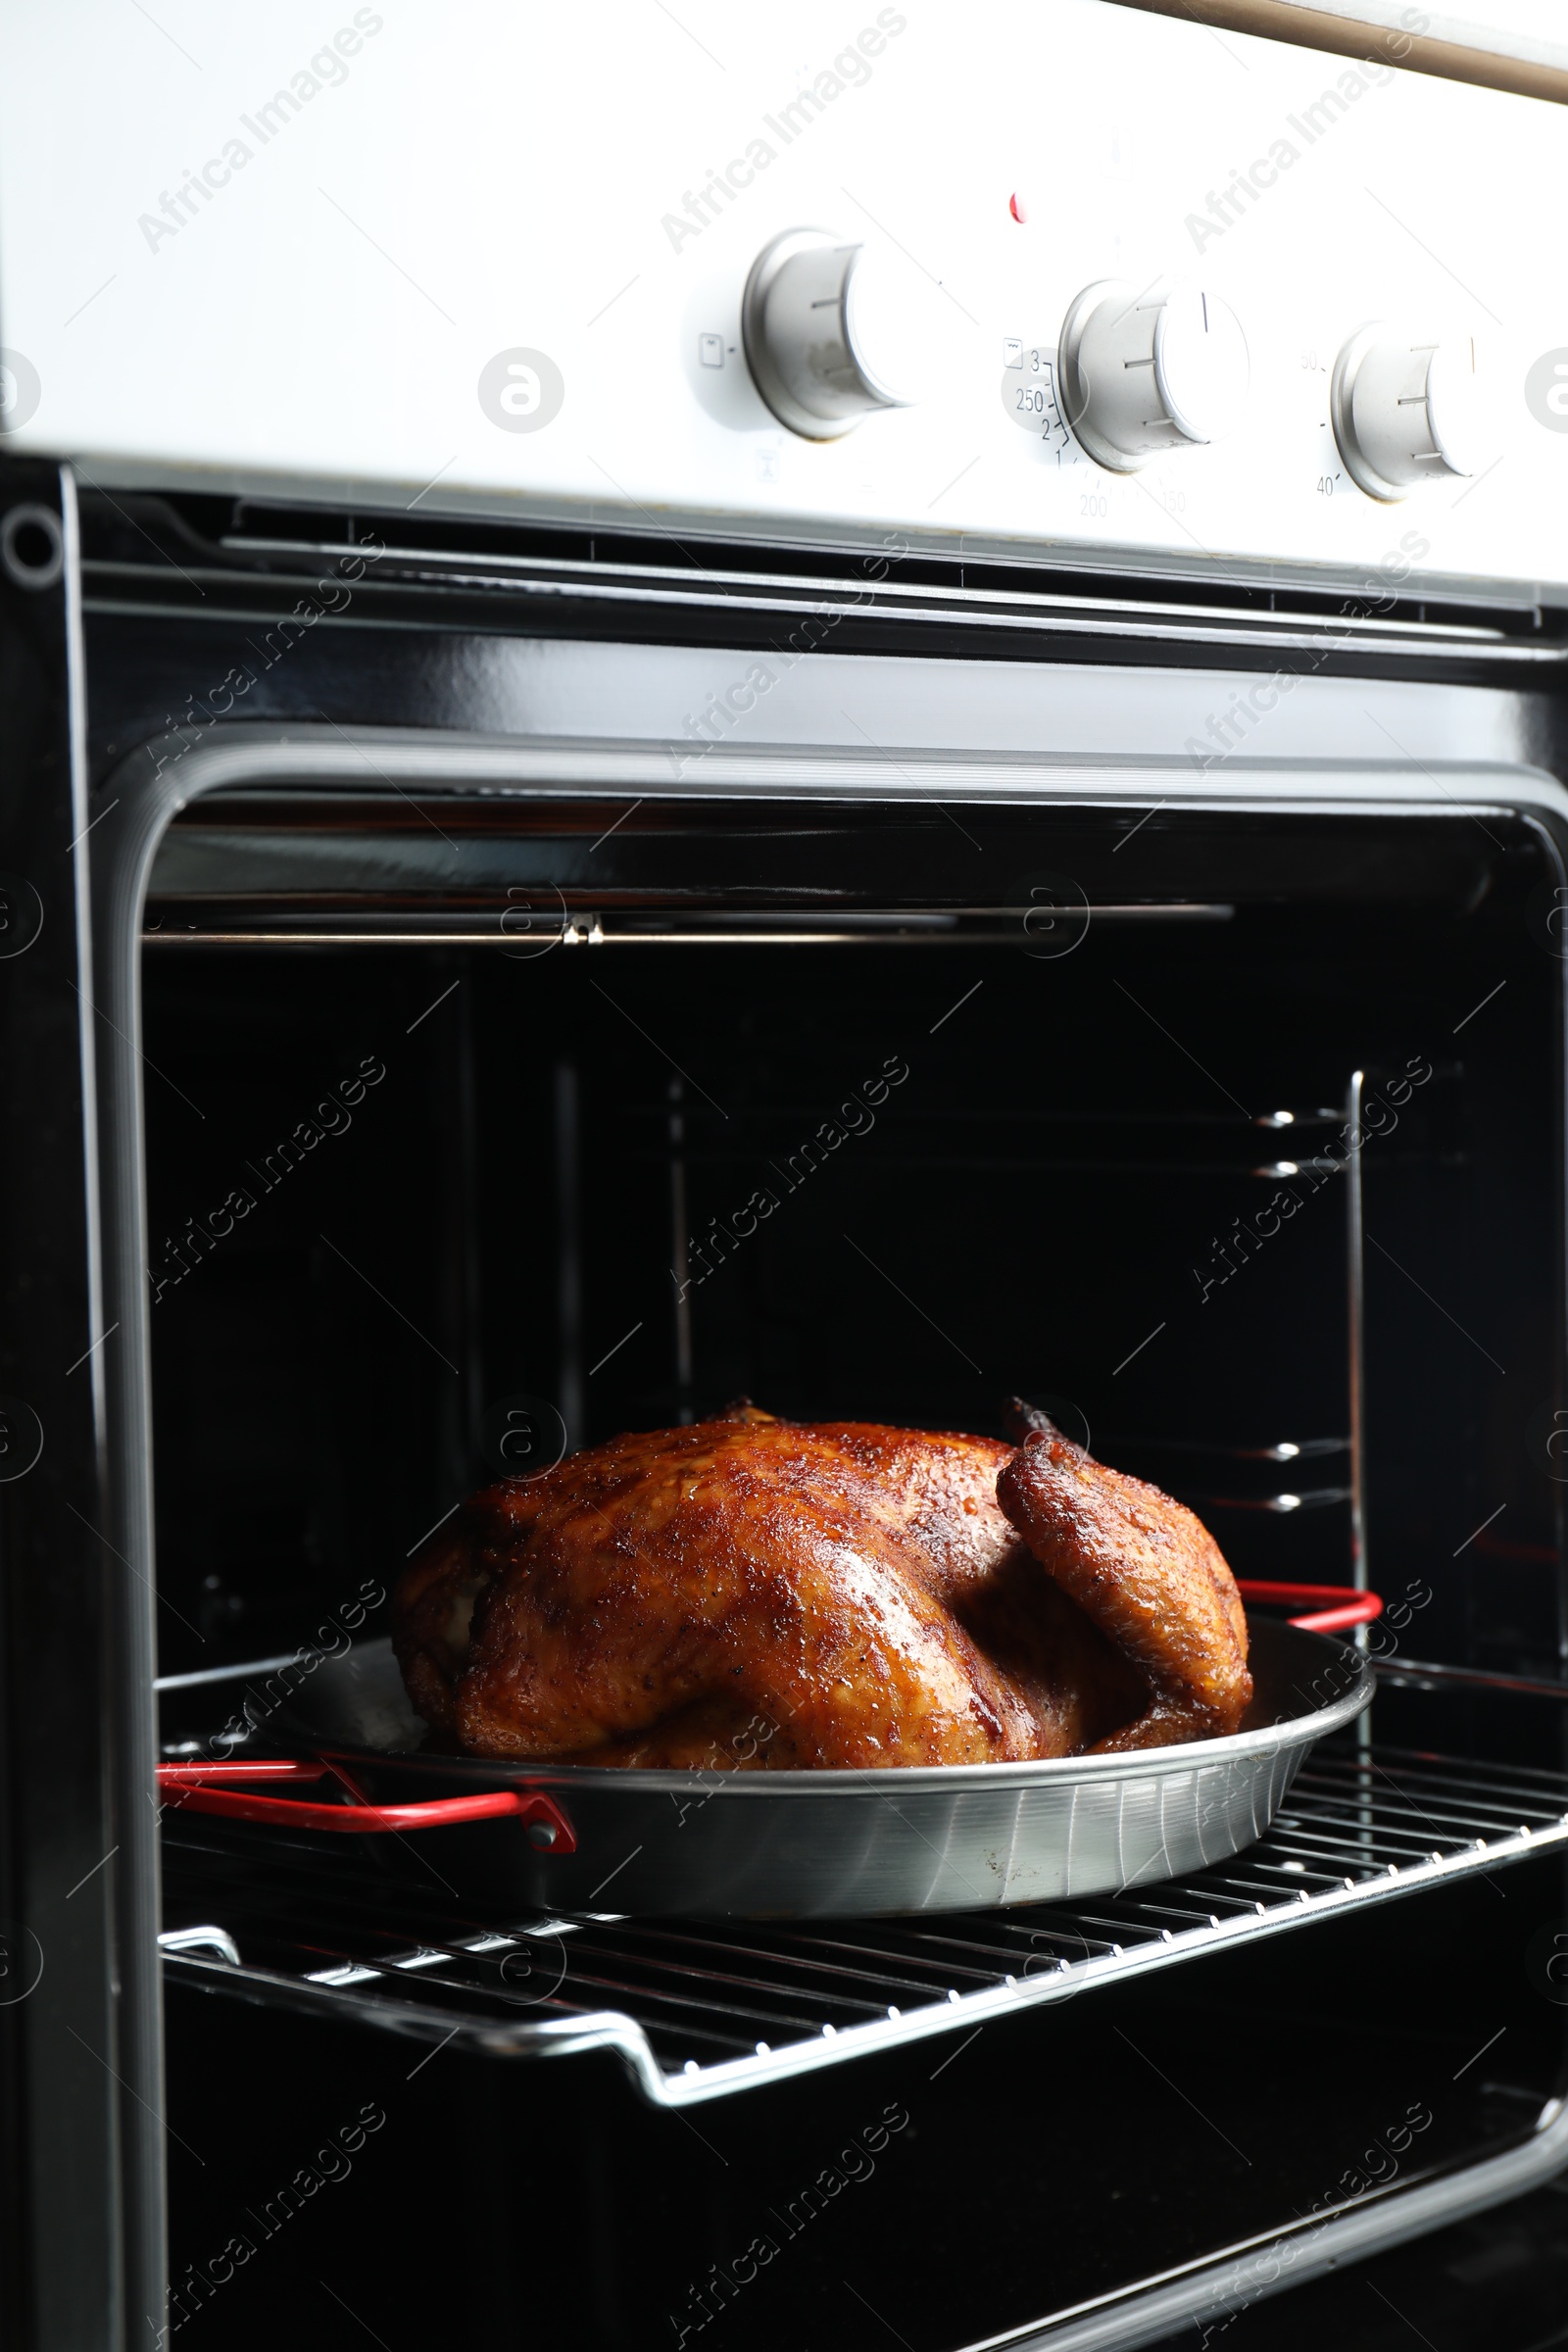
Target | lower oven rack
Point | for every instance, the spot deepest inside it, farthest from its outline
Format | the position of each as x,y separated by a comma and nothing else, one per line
697,2011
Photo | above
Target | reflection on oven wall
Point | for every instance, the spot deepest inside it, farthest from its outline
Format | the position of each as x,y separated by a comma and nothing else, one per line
410,273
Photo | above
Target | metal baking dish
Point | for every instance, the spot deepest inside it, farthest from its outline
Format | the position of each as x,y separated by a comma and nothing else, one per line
578,1839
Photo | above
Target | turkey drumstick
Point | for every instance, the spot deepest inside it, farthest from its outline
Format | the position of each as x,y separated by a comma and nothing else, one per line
1148,1575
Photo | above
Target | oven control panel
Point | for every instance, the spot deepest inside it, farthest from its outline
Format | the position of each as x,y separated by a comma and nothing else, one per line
1068,278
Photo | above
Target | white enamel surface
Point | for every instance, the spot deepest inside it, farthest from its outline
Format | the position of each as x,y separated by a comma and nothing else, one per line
467,184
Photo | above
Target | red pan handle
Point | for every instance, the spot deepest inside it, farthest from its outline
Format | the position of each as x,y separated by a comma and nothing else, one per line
552,1831
1350,1606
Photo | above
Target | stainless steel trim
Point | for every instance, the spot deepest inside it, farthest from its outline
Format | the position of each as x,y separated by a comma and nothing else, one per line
1357,1318
1280,615
1252,2273
169,773
228,1674
217,1940
575,574
379,931
1341,638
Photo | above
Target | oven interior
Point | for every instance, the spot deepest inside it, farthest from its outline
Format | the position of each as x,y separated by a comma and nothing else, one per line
481,1129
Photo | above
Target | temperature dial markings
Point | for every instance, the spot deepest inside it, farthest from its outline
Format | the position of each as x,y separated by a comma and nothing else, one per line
1029,397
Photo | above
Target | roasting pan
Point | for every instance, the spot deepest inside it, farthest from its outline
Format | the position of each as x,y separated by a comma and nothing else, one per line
582,1840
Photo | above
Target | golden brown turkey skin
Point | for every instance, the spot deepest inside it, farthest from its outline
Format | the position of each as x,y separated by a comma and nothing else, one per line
755,1591
750,1593
1151,1576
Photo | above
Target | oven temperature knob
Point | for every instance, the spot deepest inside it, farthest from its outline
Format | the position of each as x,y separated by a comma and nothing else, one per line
1406,411
833,331
1150,369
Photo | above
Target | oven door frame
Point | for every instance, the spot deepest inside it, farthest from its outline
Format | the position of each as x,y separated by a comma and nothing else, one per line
163,776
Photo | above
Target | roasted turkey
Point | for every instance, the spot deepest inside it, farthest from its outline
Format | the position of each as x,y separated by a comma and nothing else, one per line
749,1593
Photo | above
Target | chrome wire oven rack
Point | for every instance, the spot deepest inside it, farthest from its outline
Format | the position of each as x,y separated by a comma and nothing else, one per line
696,2011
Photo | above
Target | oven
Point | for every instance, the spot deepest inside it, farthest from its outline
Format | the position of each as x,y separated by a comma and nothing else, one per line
489,968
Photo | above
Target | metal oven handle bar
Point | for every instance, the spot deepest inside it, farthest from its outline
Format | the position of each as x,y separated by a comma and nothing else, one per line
548,1826
1350,1606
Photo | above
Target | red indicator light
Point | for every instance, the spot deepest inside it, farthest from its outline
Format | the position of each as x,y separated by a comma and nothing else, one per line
1018,208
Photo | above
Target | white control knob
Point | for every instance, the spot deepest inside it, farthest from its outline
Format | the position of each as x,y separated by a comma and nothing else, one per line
833,331
1406,411
1144,371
